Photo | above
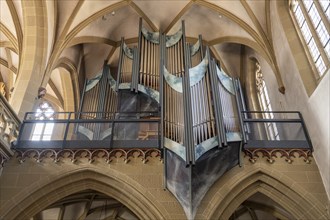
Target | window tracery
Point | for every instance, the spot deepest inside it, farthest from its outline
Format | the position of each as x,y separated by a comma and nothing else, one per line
43,131
312,19
271,128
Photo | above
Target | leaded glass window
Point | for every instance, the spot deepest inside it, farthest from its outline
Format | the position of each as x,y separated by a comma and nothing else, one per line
312,18
43,131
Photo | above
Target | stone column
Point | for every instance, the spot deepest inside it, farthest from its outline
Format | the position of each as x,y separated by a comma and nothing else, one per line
32,59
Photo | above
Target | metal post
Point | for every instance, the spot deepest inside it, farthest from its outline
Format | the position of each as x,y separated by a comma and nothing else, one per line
306,131
161,88
188,140
239,110
81,104
215,94
66,130
120,63
217,103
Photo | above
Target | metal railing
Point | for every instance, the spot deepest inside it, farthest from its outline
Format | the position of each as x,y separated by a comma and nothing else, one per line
90,130
275,129
261,129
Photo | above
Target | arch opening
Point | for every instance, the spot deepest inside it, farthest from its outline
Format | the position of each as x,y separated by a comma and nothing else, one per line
112,185
246,186
260,206
88,205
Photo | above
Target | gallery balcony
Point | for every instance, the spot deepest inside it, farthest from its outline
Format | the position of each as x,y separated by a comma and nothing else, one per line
275,134
90,130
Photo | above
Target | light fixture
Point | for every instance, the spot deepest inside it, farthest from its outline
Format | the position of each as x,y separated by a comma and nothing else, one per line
219,15
113,13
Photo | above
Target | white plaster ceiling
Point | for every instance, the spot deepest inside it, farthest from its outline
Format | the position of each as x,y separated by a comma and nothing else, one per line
258,8
4,73
64,9
89,8
94,64
154,10
3,53
3,37
14,59
50,91
123,23
231,58
236,8
6,18
56,78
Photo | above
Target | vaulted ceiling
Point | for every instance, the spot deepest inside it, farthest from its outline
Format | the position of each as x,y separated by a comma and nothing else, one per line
78,35
85,33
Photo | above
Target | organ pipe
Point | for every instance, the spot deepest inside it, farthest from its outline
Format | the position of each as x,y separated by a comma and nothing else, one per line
191,111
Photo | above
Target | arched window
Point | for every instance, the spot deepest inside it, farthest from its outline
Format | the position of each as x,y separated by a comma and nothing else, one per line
43,131
265,105
312,19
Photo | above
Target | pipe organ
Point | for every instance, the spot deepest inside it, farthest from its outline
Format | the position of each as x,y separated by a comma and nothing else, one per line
181,86
171,95
125,64
99,101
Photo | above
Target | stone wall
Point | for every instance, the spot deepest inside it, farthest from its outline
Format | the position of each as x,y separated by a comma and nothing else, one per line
29,187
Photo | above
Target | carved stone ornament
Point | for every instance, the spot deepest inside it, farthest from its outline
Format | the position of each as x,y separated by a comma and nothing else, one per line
3,89
41,92
272,154
3,159
9,128
91,154
259,77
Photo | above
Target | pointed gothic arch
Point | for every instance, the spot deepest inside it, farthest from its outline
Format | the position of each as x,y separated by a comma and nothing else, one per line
113,184
71,68
242,183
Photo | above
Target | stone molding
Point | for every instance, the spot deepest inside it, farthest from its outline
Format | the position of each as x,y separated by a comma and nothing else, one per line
272,154
91,154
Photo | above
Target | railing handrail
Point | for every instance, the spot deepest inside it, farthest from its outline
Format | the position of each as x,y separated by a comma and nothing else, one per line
11,112
92,120
296,112
100,112
85,113
261,120
299,120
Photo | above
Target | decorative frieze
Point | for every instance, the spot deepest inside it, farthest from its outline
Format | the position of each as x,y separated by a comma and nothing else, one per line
272,154
91,154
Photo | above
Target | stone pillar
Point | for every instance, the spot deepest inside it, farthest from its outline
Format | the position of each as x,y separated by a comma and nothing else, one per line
32,59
